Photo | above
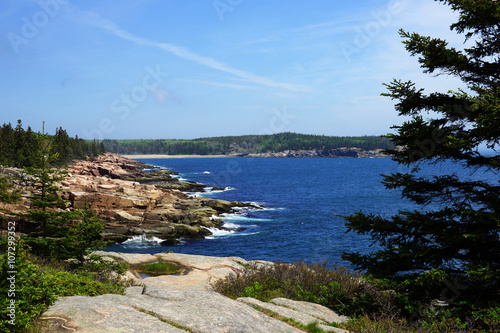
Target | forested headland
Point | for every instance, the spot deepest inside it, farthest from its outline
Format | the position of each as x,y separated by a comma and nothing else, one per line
18,146
245,144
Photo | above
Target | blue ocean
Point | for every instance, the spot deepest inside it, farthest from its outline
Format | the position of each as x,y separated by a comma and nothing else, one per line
303,200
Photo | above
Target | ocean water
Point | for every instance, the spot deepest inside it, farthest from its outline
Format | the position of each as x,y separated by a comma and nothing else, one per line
303,200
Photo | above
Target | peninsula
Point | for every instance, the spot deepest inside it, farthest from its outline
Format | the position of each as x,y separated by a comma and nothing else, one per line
275,145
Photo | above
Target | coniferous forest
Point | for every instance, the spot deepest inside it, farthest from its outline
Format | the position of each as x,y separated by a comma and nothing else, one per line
245,144
18,146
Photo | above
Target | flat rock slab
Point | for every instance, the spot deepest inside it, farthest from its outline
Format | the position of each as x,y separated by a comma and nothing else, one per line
178,303
194,280
208,311
129,258
316,310
105,313
160,311
202,262
298,316
199,270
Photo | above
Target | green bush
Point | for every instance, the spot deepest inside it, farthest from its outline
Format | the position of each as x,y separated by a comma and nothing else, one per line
373,306
367,324
7,192
38,283
490,317
32,292
339,289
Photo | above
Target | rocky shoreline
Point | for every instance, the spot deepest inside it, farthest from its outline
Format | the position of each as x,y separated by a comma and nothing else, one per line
339,152
315,153
135,199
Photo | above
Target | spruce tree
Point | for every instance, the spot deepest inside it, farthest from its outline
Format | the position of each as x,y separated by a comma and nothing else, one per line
64,233
45,200
84,236
19,145
453,241
62,146
7,145
31,148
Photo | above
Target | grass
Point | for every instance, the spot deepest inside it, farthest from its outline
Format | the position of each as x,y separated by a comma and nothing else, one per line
158,268
171,323
311,327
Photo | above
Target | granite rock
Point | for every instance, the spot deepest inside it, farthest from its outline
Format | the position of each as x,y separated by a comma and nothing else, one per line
178,303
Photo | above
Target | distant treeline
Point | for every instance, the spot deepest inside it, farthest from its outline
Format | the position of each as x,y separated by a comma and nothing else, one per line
246,144
18,147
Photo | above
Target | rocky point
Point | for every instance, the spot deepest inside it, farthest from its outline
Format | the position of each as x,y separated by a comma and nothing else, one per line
133,201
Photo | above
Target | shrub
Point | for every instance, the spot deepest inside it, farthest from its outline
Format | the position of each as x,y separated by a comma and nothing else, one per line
7,192
339,289
32,292
372,306
38,283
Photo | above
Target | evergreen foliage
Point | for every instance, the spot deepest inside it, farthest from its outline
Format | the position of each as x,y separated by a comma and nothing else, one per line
82,238
245,144
64,235
18,147
7,192
45,199
450,250
38,284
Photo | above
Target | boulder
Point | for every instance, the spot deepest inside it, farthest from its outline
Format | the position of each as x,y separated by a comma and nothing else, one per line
221,206
184,230
124,216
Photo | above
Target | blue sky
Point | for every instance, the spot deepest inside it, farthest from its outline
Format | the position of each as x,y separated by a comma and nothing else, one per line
198,68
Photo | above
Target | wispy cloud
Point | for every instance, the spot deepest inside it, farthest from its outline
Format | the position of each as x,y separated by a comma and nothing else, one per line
304,34
227,85
326,29
96,20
